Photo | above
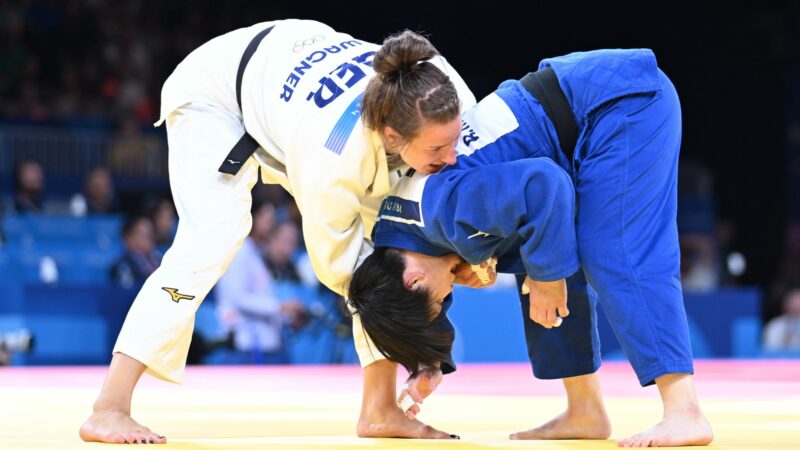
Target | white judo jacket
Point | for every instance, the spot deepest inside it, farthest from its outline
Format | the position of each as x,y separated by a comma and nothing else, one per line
300,96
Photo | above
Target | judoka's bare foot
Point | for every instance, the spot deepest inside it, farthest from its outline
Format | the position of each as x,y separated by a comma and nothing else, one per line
117,427
393,423
571,424
683,423
676,430
585,417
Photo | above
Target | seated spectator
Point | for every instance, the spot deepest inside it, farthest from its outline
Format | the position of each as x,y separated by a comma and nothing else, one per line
247,305
5,355
134,152
98,194
783,332
281,248
697,223
29,185
141,258
165,221
264,219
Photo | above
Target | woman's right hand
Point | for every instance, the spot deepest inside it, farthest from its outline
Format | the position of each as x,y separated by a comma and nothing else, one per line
548,300
417,388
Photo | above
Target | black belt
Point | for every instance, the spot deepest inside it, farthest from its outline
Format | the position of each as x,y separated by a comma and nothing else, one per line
246,146
543,85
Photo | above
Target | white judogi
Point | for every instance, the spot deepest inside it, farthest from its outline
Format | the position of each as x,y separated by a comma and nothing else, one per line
299,98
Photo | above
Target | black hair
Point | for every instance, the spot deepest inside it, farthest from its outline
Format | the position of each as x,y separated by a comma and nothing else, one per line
130,223
398,320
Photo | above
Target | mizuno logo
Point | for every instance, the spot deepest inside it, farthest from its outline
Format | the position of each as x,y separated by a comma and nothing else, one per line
233,161
479,234
176,297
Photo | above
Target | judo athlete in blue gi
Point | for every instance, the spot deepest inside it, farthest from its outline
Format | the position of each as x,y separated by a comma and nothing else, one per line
502,199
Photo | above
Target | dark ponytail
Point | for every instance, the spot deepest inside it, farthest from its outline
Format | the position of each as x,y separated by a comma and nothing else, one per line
408,90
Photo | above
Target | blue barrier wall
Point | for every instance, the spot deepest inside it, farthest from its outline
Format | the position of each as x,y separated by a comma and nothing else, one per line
78,323
488,323
76,320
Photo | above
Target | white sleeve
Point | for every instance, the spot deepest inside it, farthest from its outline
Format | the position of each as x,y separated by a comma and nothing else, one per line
335,195
330,189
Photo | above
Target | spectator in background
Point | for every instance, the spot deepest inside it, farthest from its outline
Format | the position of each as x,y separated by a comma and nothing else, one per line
162,213
141,258
283,243
264,220
246,302
29,185
783,332
134,152
98,194
5,355
697,225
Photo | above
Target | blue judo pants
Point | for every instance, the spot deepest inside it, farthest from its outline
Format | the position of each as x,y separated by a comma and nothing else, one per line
625,174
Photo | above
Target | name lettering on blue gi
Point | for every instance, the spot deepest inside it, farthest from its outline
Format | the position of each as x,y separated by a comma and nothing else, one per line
468,134
307,63
401,208
344,126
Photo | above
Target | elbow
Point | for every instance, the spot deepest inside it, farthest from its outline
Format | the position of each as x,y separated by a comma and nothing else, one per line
551,183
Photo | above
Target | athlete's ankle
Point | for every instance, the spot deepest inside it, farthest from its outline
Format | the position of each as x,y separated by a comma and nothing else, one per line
110,406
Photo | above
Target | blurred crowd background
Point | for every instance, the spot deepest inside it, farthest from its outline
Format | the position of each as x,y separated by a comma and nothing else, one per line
86,211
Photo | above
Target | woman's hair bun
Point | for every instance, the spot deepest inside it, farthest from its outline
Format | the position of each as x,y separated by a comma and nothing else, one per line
402,53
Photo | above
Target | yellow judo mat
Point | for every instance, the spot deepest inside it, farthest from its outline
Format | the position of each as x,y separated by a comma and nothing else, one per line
750,404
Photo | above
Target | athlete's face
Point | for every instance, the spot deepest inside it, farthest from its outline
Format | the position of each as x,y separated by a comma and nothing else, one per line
433,148
433,273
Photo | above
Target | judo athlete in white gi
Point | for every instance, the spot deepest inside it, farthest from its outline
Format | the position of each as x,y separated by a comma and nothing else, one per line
621,116
284,98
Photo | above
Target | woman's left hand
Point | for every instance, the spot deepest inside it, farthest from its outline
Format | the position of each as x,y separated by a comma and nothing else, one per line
468,275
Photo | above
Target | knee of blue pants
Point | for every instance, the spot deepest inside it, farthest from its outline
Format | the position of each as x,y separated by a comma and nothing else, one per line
573,348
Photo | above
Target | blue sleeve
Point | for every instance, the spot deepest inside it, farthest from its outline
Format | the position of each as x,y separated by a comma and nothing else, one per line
532,200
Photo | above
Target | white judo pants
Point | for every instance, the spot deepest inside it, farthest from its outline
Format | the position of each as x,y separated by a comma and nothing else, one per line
214,213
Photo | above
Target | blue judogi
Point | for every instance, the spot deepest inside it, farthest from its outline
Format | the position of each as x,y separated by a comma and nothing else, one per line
625,178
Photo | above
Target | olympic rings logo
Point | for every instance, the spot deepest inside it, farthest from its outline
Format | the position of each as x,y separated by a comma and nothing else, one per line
300,45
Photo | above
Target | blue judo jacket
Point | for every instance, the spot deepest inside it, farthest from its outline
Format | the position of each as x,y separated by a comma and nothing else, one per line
492,201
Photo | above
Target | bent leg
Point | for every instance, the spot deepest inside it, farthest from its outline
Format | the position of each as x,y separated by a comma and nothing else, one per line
570,352
214,211
628,243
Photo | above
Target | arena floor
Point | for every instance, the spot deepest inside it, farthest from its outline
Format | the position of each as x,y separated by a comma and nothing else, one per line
751,404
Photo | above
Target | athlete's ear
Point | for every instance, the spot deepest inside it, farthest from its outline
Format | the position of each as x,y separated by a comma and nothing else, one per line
413,280
391,136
